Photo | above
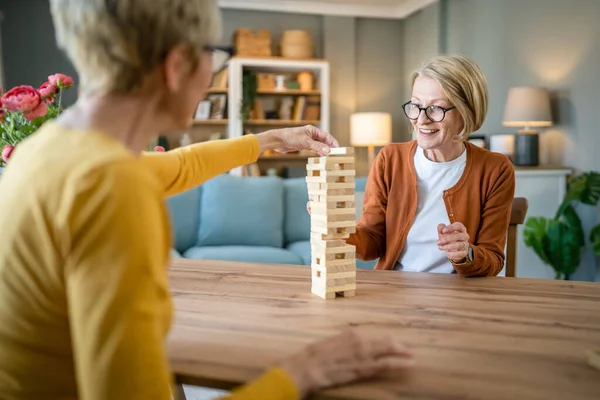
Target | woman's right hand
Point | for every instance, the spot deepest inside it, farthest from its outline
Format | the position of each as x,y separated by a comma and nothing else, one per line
345,358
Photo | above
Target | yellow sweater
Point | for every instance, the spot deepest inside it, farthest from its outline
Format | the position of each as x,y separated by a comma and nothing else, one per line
84,299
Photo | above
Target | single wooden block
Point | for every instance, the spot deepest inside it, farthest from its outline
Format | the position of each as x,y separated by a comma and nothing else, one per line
340,151
594,358
331,185
320,273
327,260
329,236
335,230
348,267
331,192
324,217
330,160
348,293
330,176
329,244
334,199
321,211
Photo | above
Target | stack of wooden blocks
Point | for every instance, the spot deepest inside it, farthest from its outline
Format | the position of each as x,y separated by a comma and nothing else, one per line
330,182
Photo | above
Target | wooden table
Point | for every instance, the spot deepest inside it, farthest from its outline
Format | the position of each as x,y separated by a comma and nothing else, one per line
476,338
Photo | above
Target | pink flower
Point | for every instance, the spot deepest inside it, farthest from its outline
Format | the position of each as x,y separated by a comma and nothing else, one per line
37,112
160,149
47,90
61,80
21,98
6,152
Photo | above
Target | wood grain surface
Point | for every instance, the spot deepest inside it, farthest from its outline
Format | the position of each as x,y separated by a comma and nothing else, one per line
473,338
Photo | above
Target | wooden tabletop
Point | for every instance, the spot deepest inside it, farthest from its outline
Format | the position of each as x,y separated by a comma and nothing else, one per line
475,338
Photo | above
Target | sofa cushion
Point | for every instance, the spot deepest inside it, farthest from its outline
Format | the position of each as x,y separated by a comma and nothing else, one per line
263,254
242,211
301,249
296,219
184,212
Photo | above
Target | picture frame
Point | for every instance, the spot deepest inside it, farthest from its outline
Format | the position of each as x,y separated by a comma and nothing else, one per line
203,110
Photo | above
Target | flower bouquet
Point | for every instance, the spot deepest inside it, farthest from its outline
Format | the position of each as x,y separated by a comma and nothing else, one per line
24,109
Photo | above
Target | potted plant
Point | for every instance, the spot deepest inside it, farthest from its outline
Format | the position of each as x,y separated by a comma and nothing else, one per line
559,241
23,109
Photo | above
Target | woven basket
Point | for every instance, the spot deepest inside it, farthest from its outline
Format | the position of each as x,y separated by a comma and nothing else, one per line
296,44
252,45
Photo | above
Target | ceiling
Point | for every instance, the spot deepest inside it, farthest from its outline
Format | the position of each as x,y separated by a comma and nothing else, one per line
393,9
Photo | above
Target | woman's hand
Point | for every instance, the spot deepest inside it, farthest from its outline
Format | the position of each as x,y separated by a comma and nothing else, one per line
454,240
299,138
344,358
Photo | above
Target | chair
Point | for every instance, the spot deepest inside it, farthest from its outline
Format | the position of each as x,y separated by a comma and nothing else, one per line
517,217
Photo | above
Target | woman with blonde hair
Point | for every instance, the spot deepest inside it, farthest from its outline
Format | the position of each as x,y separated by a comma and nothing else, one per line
84,298
439,203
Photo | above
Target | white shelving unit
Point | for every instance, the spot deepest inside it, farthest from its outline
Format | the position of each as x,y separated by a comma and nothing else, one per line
237,66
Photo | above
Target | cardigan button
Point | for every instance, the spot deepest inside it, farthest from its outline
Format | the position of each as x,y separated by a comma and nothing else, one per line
445,194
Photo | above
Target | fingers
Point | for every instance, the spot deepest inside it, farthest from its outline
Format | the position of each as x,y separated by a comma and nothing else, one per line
320,141
455,227
452,238
455,246
440,229
308,206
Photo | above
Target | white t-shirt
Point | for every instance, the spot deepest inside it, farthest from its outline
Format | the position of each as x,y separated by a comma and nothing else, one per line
420,252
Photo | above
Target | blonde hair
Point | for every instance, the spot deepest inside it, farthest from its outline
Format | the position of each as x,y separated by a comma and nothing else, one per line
114,45
465,85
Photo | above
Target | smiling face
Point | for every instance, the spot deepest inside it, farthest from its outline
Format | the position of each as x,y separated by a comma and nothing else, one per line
437,136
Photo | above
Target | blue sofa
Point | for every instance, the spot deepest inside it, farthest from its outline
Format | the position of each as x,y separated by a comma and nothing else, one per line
262,219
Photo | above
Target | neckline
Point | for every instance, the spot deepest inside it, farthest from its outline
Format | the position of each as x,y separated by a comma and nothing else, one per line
465,175
420,152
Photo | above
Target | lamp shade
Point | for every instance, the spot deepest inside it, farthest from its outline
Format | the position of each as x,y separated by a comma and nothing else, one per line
370,129
527,106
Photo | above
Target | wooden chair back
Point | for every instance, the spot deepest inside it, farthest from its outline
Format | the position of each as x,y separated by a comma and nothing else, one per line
517,217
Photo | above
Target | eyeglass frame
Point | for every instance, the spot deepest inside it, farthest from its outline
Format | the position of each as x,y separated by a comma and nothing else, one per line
226,49
445,110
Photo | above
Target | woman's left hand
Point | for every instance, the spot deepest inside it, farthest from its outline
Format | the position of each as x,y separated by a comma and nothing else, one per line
299,138
454,240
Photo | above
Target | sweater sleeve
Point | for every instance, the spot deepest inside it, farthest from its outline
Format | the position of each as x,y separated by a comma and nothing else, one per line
116,285
275,384
186,167
369,238
488,243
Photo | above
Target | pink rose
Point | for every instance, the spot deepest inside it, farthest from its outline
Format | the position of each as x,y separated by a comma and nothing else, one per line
47,90
61,80
37,112
6,152
160,149
21,98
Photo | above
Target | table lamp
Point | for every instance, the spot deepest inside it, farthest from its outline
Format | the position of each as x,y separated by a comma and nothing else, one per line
527,107
370,129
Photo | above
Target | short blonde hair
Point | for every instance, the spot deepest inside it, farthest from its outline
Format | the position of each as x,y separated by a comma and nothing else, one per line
114,45
465,85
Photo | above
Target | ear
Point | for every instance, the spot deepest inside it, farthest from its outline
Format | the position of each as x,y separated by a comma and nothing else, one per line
176,68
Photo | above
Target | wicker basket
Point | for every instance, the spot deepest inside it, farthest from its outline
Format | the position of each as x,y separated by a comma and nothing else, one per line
296,44
252,45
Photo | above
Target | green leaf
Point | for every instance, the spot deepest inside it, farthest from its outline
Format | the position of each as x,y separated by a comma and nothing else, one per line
585,188
563,247
535,237
595,239
573,222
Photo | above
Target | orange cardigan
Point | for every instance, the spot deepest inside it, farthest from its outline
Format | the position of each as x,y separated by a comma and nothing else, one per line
481,200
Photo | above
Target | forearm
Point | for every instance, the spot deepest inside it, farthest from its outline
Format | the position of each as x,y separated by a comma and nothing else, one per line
275,384
369,245
190,166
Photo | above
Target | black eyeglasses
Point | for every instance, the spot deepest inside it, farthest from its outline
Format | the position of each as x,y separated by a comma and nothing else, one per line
220,56
434,113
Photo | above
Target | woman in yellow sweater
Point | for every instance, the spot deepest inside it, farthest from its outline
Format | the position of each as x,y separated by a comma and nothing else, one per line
84,298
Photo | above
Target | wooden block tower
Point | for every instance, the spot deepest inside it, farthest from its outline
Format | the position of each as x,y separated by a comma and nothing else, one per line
330,182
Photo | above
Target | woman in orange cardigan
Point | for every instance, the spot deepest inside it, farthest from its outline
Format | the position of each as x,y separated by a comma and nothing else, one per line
439,203
84,297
